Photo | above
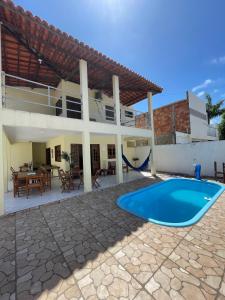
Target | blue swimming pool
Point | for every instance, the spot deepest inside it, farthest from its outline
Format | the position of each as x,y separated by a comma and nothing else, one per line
174,202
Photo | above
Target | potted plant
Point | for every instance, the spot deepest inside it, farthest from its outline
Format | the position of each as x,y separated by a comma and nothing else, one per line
98,95
67,157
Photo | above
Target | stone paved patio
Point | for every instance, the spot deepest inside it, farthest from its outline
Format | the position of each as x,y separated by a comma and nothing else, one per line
88,248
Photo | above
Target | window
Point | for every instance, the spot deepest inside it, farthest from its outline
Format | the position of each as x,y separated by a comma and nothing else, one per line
73,106
109,113
142,143
111,151
58,153
129,114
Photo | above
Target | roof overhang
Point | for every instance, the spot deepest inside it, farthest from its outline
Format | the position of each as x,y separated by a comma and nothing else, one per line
27,40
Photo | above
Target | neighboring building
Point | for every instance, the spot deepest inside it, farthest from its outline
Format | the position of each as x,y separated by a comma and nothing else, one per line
182,121
58,94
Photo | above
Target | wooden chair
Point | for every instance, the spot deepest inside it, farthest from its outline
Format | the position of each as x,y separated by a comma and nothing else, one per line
125,168
95,182
112,168
218,174
34,183
67,183
81,177
19,185
46,178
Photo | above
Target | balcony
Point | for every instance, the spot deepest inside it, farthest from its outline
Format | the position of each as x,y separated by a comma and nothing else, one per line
30,96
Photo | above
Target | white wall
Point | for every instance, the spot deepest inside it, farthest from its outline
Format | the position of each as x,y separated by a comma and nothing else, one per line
141,153
179,158
182,138
199,127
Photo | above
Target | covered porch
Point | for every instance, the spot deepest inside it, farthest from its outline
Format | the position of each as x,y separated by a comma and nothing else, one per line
37,149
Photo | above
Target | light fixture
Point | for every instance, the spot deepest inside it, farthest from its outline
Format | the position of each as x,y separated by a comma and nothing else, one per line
40,61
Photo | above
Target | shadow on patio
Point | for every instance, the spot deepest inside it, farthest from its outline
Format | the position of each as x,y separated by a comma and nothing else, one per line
51,249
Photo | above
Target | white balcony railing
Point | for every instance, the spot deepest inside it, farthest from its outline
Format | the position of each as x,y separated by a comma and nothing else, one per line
31,96
28,95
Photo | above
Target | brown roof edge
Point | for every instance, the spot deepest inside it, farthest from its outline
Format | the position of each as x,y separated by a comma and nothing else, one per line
27,14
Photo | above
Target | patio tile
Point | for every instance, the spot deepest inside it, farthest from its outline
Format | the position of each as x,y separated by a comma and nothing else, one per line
109,281
140,260
79,247
211,240
173,282
114,238
222,287
7,277
95,223
7,236
35,243
127,221
49,281
143,295
199,262
161,239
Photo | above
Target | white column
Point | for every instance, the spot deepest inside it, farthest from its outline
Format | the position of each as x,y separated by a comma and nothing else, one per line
150,111
84,89
85,134
119,169
1,171
116,97
1,136
86,161
63,87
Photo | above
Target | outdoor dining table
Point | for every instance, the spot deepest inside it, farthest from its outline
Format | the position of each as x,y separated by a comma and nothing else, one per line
24,175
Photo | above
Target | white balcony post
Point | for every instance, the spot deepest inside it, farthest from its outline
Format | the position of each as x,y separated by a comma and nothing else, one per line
85,134
1,136
0,67
116,97
84,89
64,107
150,112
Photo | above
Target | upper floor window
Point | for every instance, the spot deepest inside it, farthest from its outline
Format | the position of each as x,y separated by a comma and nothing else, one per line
73,106
129,114
109,112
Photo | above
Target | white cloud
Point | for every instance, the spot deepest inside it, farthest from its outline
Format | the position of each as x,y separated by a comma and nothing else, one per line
201,93
218,60
206,83
215,91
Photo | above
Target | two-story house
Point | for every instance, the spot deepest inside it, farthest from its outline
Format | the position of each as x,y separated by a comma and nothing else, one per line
58,94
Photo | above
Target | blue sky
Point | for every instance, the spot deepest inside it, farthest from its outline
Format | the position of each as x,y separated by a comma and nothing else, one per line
178,44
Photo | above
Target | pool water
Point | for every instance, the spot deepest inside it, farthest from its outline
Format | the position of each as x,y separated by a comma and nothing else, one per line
174,202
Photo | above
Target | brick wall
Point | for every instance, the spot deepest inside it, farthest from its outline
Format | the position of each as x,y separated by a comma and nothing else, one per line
141,121
167,120
171,118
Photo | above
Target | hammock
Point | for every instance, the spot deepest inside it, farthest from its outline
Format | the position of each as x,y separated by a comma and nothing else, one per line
141,167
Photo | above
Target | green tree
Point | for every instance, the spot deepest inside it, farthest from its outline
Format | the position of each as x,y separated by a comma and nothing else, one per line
213,110
221,128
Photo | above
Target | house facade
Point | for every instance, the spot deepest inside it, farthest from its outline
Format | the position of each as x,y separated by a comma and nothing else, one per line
58,94
183,121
